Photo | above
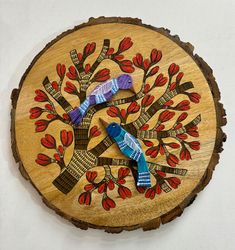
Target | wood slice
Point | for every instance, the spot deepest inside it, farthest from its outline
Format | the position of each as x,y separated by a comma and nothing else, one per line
175,114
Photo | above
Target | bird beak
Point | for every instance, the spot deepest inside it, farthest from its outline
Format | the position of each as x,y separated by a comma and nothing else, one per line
104,123
132,90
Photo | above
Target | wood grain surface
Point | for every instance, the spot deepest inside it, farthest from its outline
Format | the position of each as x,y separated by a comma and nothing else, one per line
179,169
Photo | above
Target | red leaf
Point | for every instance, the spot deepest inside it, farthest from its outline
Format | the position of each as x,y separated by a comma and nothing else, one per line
160,80
126,66
156,56
178,126
179,77
43,160
133,108
35,112
55,85
173,69
79,56
173,145
158,189
85,198
182,136
108,203
123,113
168,103
162,174
41,125
173,86
49,107
60,68
194,97
166,116
113,111
118,57
148,143
61,149
110,51
51,116
48,141
153,71
174,182
102,187
66,137
161,149
150,193
111,185
89,49
125,44
102,75
40,96
185,154
57,157
195,145
141,189
193,131
87,68
88,187
172,160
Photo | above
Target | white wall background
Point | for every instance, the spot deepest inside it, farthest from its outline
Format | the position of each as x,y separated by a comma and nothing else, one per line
25,27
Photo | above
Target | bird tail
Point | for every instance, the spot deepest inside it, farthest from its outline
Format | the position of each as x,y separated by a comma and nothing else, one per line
77,114
143,173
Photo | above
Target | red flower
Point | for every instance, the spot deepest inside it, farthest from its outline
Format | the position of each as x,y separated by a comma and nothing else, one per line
111,184
182,136
108,203
102,187
55,85
49,107
174,182
40,96
184,105
178,126
160,80
41,125
179,77
173,69
125,44
182,117
173,145
160,127
43,160
146,64
70,88
113,111
79,57
102,75
194,97
166,116
193,131
126,66
144,127
148,143
118,57
60,68
89,49
124,192
85,198
138,60
57,157
158,189
123,113
123,172
88,187
66,117
146,88
110,51
141,189
153,71
66,137
61,149
147,100
168,103
35,112
87,68
94,131
161,149
91,175
133,108
150,193
72,74
195,145
48,141
162,174
173,86
155,56
152,152
185,154
51,116
172,160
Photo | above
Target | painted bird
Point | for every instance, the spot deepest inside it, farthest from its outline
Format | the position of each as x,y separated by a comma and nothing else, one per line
130,147
100,94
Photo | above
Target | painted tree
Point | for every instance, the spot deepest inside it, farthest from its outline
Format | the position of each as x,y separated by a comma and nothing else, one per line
174,143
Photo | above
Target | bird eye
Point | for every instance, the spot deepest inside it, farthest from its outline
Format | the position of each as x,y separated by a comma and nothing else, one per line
129,81
113,125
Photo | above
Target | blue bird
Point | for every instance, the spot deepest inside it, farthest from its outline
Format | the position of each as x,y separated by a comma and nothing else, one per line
100,94
131,148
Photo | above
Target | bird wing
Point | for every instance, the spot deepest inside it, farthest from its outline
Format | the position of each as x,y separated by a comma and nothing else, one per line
132,142
103,88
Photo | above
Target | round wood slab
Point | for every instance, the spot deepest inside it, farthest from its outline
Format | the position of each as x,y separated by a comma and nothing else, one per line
175,114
